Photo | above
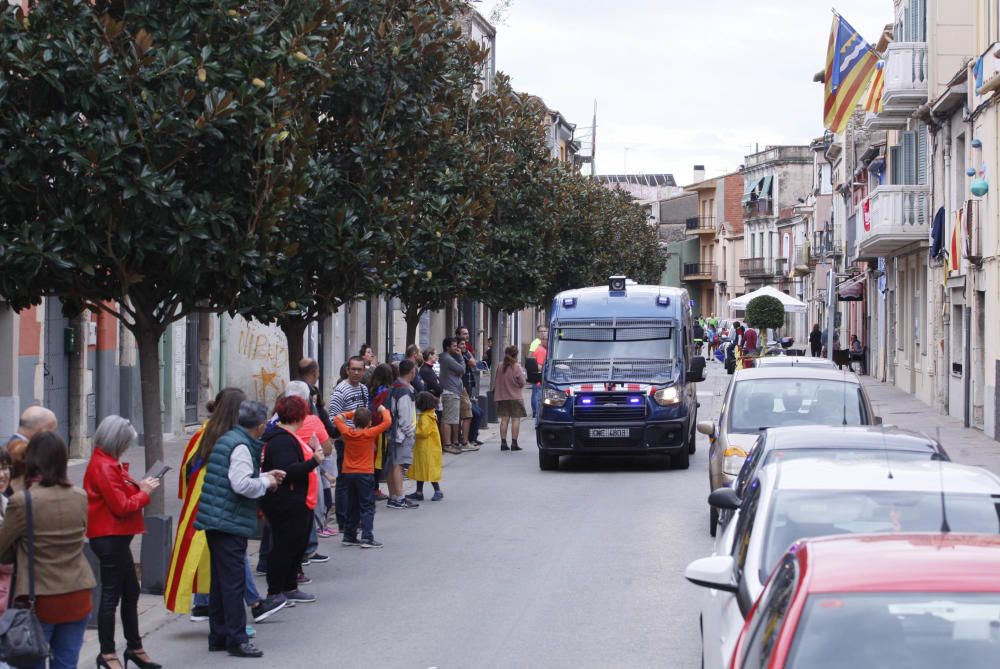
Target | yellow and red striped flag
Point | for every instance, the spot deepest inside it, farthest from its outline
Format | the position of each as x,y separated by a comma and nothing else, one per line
190,569
873,99
954,248
850,64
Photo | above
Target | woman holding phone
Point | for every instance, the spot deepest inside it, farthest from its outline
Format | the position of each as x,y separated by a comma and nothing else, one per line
114,516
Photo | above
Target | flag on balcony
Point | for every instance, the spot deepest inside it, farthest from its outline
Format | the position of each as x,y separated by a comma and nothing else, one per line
954,259
873,99
850,64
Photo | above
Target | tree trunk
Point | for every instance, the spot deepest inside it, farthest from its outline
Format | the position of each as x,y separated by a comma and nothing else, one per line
295,330
148,340
412,315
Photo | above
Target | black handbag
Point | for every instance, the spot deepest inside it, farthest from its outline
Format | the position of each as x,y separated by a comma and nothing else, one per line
22,640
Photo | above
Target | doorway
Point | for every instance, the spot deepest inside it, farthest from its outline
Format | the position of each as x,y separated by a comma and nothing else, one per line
979,360
55,394
192,364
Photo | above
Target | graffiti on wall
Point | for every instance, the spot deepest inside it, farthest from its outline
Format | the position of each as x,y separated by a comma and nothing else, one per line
258,360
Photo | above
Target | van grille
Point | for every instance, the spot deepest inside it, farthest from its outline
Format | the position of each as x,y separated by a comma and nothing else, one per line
609,407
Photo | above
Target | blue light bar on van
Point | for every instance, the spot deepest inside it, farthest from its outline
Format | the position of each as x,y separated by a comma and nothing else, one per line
663,300
569,302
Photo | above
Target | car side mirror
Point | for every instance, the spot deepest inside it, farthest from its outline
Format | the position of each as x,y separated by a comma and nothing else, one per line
707,427
696,372
714,572
724,498
878,420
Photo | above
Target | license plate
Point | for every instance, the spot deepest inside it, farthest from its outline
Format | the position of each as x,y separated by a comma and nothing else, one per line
609,433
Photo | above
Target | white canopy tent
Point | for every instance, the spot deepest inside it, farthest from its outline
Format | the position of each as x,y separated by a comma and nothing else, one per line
792,305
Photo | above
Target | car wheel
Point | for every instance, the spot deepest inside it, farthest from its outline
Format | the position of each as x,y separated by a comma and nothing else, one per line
680,460
547,462
713,520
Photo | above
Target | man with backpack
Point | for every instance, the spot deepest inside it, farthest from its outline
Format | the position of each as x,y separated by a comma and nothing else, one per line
402,435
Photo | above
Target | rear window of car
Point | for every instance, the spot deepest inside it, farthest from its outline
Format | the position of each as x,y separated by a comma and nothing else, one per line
889,629
760,403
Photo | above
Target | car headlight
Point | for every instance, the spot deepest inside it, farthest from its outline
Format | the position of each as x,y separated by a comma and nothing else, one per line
732,460
554,398
667,396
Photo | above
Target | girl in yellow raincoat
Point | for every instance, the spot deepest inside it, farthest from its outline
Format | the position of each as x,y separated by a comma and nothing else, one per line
427,449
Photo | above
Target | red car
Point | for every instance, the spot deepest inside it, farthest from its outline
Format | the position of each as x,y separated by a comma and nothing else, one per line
913,601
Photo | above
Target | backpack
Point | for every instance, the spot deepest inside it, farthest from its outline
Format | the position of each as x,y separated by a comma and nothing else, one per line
531,370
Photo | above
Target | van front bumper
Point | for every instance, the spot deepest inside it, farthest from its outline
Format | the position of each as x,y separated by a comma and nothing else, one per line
612,438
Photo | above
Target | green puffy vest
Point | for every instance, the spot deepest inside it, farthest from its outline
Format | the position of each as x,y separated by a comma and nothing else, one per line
220,508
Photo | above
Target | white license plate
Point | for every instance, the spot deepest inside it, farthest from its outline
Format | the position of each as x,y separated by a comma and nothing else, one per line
609,433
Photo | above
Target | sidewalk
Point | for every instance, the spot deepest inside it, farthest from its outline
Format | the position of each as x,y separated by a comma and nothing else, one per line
965,445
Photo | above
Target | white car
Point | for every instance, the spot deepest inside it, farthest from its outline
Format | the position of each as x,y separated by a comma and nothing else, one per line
810,497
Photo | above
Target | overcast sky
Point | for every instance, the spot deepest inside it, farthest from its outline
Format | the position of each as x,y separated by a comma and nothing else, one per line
679,82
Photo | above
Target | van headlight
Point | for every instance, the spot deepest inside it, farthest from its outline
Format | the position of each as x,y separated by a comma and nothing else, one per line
732,460
554,398
667,396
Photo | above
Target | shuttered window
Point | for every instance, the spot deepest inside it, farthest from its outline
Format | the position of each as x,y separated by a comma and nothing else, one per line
922,158
895,165
909,148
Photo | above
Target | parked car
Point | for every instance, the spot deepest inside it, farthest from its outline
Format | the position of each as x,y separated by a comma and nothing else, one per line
920,601
775,397
794,361
811,497
838,443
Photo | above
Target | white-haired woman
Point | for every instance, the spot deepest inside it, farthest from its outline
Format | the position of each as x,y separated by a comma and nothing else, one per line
114,515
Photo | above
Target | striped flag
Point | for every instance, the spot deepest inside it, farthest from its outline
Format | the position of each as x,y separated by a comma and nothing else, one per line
873,98
954,259
850,64
189,560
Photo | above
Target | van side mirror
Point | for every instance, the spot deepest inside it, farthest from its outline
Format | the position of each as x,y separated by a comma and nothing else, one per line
696,372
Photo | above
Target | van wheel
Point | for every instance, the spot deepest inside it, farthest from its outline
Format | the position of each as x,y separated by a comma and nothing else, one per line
547,462
713,520
680,460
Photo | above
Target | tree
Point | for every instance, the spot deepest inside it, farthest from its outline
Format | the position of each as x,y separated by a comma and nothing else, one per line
765,311
148,151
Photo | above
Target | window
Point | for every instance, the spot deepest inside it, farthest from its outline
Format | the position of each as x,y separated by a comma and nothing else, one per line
957,338
765,626
744,530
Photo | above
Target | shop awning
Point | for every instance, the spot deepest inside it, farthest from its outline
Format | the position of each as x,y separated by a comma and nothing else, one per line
853,289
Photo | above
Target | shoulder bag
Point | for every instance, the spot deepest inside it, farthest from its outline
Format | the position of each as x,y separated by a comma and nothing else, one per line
22,640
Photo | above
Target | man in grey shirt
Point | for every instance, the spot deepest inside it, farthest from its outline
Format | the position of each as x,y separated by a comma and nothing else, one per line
452,370
403,435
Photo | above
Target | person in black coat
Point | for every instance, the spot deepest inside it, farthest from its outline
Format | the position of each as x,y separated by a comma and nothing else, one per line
428,376
286,507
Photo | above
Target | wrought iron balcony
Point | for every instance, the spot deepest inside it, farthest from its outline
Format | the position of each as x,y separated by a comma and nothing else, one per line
700,225
699,271
756,268
827,245
899,217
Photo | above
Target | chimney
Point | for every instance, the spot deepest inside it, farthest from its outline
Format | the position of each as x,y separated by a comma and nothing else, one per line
699,173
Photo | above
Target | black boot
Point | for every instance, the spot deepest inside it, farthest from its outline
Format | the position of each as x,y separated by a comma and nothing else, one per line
514,446
503,445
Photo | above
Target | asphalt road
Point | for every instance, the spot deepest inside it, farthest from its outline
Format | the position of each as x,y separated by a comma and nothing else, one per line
516,567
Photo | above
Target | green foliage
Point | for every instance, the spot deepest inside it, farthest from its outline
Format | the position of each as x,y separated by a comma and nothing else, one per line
765,311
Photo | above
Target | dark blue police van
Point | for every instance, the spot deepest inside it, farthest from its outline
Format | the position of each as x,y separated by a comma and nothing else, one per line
620,374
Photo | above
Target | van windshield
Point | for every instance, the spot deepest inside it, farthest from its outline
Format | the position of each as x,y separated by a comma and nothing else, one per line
646,343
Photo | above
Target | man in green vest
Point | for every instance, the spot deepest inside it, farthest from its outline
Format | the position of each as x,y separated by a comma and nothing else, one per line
227,512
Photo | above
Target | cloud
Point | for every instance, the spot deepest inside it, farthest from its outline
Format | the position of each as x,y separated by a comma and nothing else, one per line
679,83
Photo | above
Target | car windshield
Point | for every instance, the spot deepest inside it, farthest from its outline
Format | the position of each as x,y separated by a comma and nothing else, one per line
801,514
889,629
760,403
606,343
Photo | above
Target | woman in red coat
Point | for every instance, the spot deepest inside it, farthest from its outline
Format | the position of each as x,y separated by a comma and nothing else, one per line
114,515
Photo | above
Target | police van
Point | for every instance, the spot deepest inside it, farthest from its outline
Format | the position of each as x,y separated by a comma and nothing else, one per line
620,373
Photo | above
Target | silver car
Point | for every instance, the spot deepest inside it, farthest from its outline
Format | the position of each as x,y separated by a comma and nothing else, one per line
775,396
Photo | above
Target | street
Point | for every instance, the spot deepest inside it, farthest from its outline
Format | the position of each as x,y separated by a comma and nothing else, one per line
514,568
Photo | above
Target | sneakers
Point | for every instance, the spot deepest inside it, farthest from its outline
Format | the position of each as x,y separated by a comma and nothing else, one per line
328,532
402,504
477,442
302,579
250,632
317,558
349,541
370,543
452,448
438,496
416,496
468,447
300,597
379,495
266,608
199,614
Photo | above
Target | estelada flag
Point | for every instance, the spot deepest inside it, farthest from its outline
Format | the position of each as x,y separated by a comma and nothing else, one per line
190,569
873,98
954,259
850,64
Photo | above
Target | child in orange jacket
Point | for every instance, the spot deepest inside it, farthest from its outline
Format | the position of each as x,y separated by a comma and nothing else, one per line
358,472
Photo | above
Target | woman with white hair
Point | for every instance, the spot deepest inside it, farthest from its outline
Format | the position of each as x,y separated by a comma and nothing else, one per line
114,516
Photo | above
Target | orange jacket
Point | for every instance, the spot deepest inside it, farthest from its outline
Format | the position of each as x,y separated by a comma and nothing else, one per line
359,444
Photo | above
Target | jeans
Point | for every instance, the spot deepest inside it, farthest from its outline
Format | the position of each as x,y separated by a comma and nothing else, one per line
477,419
65,641
289,535
360,489
339,494
536,400
313,544
118,584
227,618
252,595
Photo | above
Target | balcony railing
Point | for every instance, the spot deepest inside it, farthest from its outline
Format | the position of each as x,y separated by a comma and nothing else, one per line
905,78
699,225
762,206
699,271
898,218
756,267
827,245
780,266
801,259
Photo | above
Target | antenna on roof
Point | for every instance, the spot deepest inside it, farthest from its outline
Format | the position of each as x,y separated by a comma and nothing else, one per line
885,451
945,527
